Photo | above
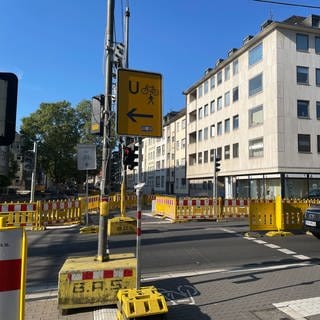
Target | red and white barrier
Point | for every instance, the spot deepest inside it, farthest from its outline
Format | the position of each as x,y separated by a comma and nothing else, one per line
11,273
100,274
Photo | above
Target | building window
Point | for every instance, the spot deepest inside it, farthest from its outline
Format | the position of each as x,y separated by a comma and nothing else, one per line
235,150
183,123
211,155
235,94
302,75
303,109
158,182
205,157
318,77
183,143
219,77
158,165
235,67
219,103
212,129
227,73
219,128
255,85
256,148
162,181
205,110
304,143
227,125
255,116
178,145
317,44
200,135
205,87
302,42
219,152
199,157
192,159
235,122
212,107
227,152
200,113
200,91
255,54
212,82
318,143
318,110
205,133
227,99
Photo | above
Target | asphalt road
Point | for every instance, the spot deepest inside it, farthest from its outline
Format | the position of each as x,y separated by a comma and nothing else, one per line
166,248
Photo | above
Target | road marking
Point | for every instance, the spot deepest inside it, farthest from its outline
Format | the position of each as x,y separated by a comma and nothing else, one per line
286,251
301,257
259,241
272,246
300,309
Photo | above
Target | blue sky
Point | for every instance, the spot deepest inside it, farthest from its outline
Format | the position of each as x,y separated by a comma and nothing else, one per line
56,46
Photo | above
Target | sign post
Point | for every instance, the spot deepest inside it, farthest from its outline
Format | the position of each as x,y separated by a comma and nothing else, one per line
86,161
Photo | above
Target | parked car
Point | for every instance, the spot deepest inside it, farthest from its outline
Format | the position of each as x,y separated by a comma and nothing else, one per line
311,220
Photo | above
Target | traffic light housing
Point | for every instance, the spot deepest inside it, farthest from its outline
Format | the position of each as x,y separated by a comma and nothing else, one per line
217,164
8,107
130,155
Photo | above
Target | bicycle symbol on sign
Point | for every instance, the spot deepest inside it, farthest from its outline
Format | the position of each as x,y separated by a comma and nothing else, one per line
151,91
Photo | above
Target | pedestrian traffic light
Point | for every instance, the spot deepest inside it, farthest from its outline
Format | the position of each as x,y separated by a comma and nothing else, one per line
130,155
8,107
217,164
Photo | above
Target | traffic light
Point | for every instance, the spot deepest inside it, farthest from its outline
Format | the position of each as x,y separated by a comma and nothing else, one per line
217,164
8,107
130,155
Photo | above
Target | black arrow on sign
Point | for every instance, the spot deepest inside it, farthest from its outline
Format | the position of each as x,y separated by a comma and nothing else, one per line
132,115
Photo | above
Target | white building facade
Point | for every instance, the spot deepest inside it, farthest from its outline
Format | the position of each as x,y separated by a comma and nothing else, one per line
164,159
259,110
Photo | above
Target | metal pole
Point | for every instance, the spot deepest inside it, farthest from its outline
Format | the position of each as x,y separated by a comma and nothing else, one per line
34,172
87,199
124,167
139,230
106,152
215,188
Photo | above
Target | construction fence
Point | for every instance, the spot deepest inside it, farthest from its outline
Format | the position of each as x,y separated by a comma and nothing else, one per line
41,214
262,215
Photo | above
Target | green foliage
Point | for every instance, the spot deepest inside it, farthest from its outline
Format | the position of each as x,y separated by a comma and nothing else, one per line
58,128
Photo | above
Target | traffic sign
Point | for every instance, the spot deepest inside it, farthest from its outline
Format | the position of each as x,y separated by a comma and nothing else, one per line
86,157
139,103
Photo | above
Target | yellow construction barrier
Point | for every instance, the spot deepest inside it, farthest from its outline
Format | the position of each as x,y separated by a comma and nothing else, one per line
140,303
166,206
19,214
262,215
235,208
122,225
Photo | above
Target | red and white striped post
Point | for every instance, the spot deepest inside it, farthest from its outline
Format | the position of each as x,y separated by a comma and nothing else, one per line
13,272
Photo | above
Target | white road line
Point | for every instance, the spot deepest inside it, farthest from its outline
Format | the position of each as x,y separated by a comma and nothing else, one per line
300,309
301,257
260,241
286,251
272,246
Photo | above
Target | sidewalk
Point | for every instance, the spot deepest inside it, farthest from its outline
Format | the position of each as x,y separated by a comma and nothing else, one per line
265,293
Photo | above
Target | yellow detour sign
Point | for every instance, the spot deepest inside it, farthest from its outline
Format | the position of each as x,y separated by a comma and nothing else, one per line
139,103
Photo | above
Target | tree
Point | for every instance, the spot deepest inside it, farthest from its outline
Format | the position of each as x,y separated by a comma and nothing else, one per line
56,129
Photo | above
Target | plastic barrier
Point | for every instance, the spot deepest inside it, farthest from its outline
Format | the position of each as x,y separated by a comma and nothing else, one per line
19,214
197,209
59,212
166,206
262,215
13,271
235,208
292,211
140,303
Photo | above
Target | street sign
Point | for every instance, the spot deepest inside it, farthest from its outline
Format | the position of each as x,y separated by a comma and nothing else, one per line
139,103
86,157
